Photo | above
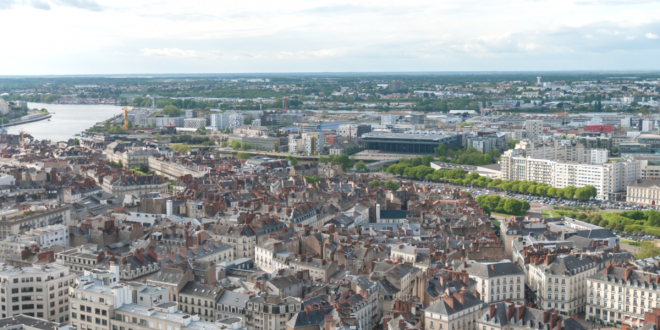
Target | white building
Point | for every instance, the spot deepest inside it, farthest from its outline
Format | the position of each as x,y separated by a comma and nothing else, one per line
497,281
219,121
599,156
648,125
51,235
387,120
235,119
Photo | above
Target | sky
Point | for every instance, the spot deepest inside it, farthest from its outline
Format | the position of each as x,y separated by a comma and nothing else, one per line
71,37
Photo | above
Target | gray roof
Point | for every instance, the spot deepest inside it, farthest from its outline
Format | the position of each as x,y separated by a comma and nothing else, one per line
231,298
441,307
492,269
201,290
30,321
528,316
596,233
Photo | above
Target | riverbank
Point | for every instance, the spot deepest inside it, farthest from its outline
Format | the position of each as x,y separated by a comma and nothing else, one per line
32,120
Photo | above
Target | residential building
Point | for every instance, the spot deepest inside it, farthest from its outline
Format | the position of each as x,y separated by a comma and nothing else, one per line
454,311
510,316
319,269
21,224
533,129
219,121
194,122
40,291
271,312
497,281
231,304
199,299
599,156
648,125
643,191
622,295
560,282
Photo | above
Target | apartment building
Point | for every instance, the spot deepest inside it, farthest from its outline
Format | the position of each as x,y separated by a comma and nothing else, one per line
460,310
22,224
38,291
81,258
623,295
271,312
319,269
561,282
533,129
130,158
199,299
510,316
497,281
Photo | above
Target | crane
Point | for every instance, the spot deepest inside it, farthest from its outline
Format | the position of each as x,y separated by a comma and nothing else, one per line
23,132
126,110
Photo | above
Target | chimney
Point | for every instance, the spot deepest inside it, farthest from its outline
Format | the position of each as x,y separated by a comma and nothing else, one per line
329,322
509,311
492,311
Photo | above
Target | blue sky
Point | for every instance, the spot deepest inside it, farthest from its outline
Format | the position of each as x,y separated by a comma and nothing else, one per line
218,36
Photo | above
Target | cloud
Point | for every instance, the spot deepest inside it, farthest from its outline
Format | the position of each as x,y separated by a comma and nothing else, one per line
179,53
337,52
39,4
651,36
90,5
616,2
7,4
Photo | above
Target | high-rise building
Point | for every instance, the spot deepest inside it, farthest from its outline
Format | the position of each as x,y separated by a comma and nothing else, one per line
648,125
395,85
599,156
219,121
39,291
533,129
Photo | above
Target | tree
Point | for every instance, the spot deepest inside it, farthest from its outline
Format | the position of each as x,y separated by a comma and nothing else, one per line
511,143
106,125
552,191
158,136
144,168
586,192
235,144
242,155
245,146
391,185
180,148
486,210
525,206
120,164
171,111
375,183
292,160
75,142
569,192
647,250
512,206
224,144
360,166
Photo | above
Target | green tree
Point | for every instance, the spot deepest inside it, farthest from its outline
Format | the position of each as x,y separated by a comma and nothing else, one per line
512,206
106,125
144,168
511,143
391,185
235,144
171,111
292,160
245,146
120,164
524,206
569,192
180,148
158,136
75,142
242,155
585,193
375,183
360,166
552,191
647,250
224,144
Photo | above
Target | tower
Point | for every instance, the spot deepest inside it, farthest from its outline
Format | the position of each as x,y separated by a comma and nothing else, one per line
538,81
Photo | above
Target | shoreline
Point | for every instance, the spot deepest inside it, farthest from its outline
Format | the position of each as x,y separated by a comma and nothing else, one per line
48,116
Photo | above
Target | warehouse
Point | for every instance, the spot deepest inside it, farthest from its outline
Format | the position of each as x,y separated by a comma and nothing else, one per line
416,142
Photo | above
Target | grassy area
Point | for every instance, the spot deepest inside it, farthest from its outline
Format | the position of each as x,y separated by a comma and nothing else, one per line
633,243
631,221
496,223
547,213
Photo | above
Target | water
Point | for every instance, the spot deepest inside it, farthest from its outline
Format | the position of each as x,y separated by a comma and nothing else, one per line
68,120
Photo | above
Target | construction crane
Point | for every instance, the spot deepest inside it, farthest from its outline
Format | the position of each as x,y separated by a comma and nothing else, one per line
23,132
126,110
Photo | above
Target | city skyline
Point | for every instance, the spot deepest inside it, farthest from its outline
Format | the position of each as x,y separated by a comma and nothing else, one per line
56,37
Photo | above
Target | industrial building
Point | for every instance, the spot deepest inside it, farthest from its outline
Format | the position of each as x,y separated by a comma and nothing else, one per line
417,142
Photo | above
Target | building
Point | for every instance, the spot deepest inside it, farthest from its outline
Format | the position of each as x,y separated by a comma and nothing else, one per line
219,121
194,123
271,312
454,311
40,291
199,299
418,142
136,185
319,269
599,156
533,129
510,316
21,224
130,158
622,295
252,130
395,85
497,281
560,282
648,125
388,120
644,191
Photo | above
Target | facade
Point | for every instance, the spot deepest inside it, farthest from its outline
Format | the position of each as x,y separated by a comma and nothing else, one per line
418,142
319,269
622,295
561,282
509,316
599,156
645,192
194,122
498,281
533,129
33,220
130,158
271,312
40,291
219,121
199,299
457,311
388,120
134,185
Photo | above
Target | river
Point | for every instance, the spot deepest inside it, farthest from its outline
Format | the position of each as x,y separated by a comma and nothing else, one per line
66,120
